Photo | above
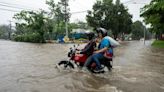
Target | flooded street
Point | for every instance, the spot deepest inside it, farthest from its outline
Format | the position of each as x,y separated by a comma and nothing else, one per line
29,67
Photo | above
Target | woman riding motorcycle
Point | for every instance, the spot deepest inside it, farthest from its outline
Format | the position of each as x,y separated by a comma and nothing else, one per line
104,45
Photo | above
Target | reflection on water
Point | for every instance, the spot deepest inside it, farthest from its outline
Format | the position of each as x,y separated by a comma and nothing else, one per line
27,67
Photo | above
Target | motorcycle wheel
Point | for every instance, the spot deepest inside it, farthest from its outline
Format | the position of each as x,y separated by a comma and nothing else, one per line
66,64
108,65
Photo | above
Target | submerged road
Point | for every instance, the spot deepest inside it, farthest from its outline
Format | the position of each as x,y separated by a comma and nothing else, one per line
28,67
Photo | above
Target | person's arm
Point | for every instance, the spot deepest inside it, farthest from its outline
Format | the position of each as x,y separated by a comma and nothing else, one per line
101,50
105,43
88,47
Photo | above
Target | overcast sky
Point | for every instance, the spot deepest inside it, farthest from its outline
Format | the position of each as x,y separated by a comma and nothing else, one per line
74,5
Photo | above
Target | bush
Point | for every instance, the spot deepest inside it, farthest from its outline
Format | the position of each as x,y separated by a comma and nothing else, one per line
30,37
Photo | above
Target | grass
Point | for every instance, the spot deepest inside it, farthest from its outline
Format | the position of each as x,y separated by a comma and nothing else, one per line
158,44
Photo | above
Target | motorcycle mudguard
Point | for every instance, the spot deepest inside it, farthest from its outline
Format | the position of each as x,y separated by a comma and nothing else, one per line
81,58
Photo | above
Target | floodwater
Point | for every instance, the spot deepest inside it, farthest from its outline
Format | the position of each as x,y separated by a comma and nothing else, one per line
28,67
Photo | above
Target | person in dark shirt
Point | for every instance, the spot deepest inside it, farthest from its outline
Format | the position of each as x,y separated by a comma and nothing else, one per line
89,48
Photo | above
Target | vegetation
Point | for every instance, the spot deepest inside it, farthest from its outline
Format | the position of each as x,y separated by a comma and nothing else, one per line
114,17
41,23
5,32
34,37
154,14
158,44
39,26
34,23
59,14
138,30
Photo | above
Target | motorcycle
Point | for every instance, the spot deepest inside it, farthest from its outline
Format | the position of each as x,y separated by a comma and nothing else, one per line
79,60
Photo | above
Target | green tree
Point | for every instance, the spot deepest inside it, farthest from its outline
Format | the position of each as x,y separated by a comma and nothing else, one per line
59,14
4,32
82,25
110,16
21,28
33,22
137,30
153,14
42,24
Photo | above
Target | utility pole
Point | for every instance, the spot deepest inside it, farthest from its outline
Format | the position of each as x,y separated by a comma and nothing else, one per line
144,34
9,33
66,25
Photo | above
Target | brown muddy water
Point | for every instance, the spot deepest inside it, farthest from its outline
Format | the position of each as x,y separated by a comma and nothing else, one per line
28,67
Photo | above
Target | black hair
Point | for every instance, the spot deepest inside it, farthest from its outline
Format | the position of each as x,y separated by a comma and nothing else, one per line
90,35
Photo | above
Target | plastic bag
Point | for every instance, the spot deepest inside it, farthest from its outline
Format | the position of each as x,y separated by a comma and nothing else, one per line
113,42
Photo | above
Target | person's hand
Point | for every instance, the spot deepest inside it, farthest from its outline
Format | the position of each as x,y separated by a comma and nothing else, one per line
78,49
77,52
97,40
95,52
